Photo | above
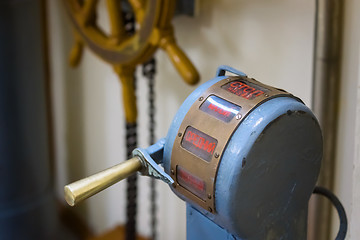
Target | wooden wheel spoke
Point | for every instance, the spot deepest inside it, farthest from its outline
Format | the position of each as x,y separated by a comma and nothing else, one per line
117,31
88,11
138,7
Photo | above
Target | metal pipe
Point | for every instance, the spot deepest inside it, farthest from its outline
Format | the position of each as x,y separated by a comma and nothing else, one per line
325,98
28,208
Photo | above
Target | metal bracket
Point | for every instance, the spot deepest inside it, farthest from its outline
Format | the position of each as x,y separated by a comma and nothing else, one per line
221,71
150,159
187,7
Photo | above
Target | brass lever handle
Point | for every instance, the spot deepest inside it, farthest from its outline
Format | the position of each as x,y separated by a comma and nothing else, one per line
87,187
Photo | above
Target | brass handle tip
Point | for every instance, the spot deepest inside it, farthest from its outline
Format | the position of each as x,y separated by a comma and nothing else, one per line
69,196
87,187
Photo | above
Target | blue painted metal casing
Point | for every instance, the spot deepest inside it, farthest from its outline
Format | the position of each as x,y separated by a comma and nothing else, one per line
266,174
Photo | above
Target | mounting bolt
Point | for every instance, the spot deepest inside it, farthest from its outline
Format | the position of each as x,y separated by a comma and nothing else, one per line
238,116
216,155
201,98
209,196
243,163
179,134
210,209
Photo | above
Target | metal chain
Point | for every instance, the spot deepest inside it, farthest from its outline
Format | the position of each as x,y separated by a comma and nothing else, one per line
149,72
131,144
131,204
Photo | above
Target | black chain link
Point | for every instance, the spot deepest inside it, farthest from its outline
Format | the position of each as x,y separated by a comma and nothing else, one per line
149,72
131,144
131,204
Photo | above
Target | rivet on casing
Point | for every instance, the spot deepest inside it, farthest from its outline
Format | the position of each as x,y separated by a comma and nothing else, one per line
238,116
201,98
216,155
210,209
179,134
172,171
209,196
243,163
266,95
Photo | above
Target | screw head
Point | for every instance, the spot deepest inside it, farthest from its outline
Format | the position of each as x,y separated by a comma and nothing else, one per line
210,209
266,95
238,116
216,155
172,171
209,196
179,134
201,98
243,163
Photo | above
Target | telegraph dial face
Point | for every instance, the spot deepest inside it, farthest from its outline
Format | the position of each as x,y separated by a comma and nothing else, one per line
205,131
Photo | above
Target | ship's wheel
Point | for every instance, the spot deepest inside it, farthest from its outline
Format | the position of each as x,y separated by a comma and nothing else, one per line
125,51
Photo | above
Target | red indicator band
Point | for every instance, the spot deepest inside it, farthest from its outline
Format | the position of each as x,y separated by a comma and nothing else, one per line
220,108
244,89
191,182
199,143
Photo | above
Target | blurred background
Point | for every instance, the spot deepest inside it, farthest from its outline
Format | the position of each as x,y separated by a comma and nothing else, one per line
270,40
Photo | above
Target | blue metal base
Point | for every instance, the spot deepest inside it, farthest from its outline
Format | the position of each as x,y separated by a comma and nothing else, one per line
200,227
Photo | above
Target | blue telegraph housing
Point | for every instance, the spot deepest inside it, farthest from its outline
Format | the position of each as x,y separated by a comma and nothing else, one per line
244,156
267,169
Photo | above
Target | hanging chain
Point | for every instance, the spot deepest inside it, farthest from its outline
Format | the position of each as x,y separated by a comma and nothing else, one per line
131,204
149,72
131,144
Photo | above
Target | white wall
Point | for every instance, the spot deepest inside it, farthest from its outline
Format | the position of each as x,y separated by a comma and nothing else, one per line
271,40
355,214
346,171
